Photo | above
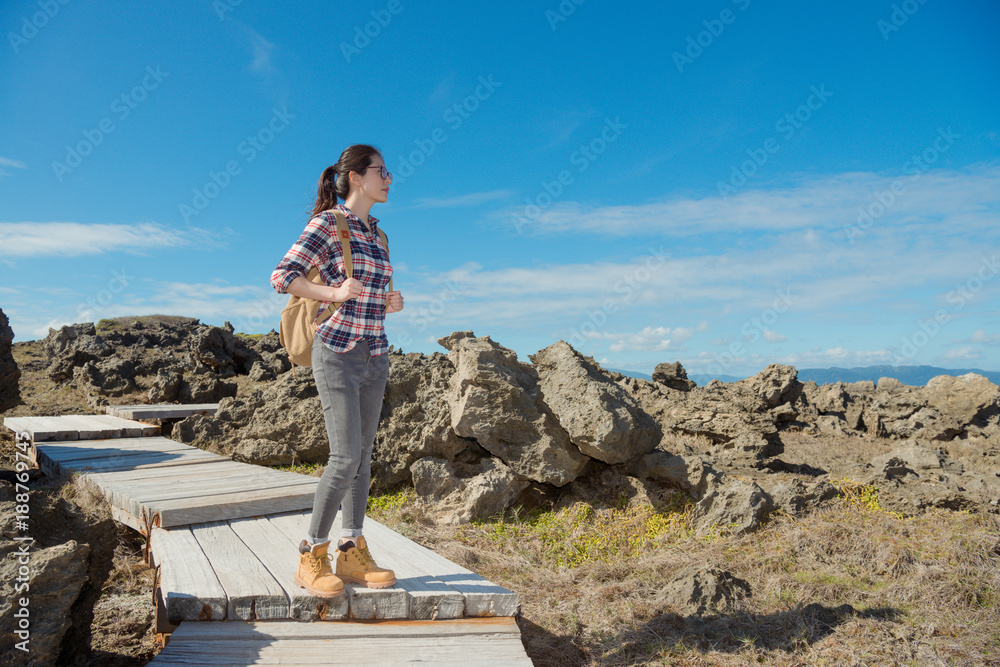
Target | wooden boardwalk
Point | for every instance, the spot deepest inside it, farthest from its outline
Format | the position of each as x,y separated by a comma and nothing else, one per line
168,411
223,537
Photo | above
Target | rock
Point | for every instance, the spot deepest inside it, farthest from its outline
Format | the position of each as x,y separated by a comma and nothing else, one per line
971,401
796,498
673,376
496,400
602,419
416,417
10,374
699,590
722,413
916,476
198,430
603,486
691,474
263,452
462,492
70,557
287,411
775,385
261,372
216,348
166,387
57,576
107,377
731,505
205,388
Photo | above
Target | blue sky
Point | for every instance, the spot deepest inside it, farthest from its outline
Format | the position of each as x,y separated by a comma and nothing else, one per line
728,184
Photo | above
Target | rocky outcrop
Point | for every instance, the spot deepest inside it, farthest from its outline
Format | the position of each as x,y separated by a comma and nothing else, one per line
673,376
416,417
64,564
917,476
10,374
496,399
700,590
602,419
733,506
462,492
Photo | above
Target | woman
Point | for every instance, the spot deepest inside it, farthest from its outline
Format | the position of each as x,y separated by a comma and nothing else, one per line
350,361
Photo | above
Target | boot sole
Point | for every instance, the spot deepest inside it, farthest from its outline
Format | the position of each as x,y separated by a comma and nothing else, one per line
368,584
317,593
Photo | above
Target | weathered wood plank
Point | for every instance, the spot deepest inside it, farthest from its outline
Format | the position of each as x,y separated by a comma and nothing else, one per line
234,506
188,584
72,427
251,590
281,558
206,481
366,603
219,467
145,460
67,454
427,598
482,597
162,411
458,642
177,497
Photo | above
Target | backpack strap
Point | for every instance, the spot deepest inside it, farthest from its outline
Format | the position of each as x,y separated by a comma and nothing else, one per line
343,233
385,244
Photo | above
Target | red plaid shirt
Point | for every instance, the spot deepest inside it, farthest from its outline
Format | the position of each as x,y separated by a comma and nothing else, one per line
361,318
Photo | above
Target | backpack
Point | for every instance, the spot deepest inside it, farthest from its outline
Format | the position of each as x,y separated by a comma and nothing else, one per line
301,317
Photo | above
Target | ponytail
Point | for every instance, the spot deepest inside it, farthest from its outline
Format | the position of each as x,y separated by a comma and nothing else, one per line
330,187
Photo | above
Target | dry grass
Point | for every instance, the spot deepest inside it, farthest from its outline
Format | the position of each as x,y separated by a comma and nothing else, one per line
851,584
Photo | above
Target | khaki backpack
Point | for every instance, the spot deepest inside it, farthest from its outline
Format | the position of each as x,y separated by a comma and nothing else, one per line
300,318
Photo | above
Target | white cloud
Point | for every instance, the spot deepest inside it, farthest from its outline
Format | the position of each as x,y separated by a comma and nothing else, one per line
970,197
650,339
30,239
7,162
980,336
471,199
772,337
962,354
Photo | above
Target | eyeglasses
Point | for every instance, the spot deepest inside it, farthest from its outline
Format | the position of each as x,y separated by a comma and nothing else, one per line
385,174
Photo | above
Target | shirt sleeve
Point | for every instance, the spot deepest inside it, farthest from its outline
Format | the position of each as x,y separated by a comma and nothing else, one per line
311,249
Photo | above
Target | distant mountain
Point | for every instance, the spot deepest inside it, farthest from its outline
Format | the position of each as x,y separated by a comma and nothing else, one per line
631,374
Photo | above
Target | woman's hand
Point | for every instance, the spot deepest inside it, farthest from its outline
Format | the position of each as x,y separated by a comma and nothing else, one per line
394,302
349,289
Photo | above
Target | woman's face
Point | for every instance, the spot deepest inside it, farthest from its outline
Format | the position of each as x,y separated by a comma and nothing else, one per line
373,186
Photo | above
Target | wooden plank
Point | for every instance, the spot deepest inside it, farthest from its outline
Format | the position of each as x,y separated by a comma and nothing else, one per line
40,428
366,603
234,506
281,558
220,467
251,590
211,479
67,454
482,597
71,427
339,643
425,598
162,411
220,490
145,460
188,584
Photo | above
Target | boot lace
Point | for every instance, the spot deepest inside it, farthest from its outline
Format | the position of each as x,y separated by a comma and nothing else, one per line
318,563
366,559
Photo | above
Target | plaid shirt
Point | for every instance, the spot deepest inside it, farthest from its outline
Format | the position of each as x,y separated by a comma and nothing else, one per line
361,318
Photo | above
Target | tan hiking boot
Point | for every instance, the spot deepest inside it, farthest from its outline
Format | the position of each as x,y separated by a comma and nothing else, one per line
315,574
355,564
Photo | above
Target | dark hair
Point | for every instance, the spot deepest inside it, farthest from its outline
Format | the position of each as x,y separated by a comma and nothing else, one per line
354,158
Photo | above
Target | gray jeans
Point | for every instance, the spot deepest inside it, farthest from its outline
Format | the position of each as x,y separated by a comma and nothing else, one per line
351,386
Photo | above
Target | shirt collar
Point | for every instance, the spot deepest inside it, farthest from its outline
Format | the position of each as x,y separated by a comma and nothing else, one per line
349,214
